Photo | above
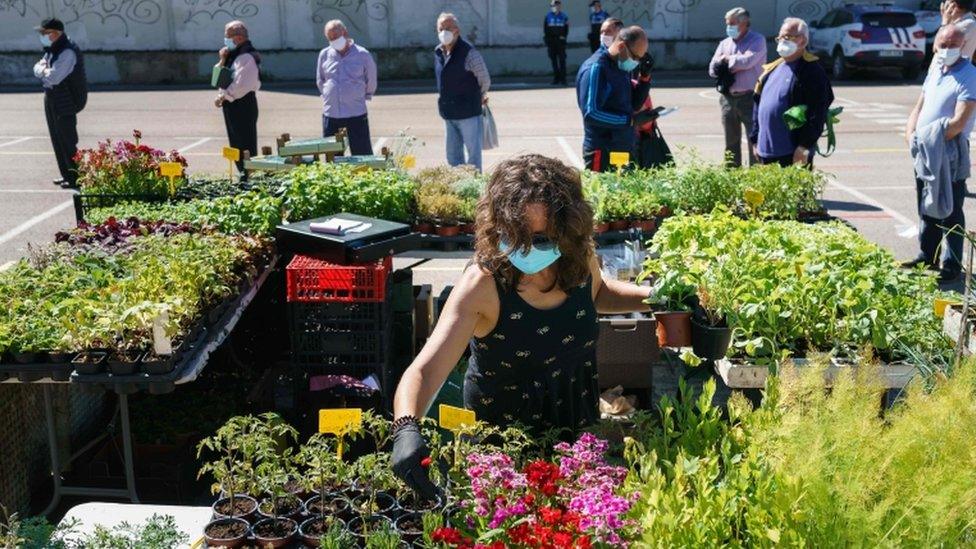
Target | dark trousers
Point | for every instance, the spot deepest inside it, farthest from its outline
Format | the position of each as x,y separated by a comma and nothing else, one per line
64,139
736,114
931,231
357,130
557,56
241,119
596,160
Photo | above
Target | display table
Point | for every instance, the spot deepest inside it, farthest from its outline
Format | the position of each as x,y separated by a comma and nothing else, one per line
187,371
189,520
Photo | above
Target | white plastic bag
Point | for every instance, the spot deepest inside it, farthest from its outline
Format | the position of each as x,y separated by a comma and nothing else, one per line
490,136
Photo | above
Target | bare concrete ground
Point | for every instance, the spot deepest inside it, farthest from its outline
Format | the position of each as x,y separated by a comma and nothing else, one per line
871,184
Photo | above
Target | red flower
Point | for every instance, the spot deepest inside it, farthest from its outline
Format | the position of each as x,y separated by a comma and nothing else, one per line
450,536
543,476
425,463
550,515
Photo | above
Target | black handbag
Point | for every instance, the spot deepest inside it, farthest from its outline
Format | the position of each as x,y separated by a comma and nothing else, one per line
653,150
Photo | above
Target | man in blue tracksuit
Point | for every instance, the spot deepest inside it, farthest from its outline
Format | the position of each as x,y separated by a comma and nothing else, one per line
607,97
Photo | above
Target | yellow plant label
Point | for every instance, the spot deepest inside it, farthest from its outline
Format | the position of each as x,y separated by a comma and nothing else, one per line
754,198
941,304
232,154
619,159
339,421
454,418
170,169
409,161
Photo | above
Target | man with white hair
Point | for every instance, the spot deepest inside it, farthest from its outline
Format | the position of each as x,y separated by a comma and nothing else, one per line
346,78
238,99
740,57
796,79
462,85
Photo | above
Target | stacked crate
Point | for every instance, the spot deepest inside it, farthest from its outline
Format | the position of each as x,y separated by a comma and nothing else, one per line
340,319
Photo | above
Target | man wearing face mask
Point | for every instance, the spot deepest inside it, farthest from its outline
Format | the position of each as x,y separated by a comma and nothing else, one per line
462,83
742,54
938,133
609,31
526,308
239,99
597,17
960,14
62,73
607,98
795,79
346,78
555,30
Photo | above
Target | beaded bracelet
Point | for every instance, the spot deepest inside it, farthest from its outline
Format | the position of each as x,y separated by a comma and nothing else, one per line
403,421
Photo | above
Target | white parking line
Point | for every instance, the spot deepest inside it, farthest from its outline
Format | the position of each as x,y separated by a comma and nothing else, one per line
196,143
15,141
574,158
877,115
901,120
906,227
7,265
34,221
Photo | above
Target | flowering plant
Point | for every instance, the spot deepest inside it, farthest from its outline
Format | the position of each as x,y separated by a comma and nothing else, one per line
569,503
124,167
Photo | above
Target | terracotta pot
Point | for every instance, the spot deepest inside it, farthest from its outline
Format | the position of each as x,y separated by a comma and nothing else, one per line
600,228
250,503
665,211
673,328
619,225
235,541
425,228
467,228
645,225
448,230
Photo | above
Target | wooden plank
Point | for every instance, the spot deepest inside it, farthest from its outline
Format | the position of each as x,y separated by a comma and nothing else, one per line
750,376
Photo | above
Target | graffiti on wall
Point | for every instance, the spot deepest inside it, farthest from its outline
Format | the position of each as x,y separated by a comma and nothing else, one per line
648,14
354,13
209,10
123,12
20,8
812,9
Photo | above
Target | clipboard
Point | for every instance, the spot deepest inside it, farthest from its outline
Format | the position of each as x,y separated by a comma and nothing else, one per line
221,77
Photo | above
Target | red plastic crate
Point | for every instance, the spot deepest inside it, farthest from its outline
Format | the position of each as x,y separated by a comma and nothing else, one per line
310,280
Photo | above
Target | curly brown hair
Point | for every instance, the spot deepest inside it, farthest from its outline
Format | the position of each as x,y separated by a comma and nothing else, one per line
530,179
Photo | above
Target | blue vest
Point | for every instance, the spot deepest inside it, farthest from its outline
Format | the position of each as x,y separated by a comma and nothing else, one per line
460,94
70,96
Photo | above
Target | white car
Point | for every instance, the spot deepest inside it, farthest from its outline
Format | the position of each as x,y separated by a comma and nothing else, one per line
869,36
930,19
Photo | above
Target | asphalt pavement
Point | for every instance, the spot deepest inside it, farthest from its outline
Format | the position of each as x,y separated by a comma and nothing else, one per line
871,181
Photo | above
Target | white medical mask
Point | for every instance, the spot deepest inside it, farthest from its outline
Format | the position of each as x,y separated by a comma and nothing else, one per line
949,56
786,48
732,31
229,42
338,44
554,9
606,40
46,41
445,37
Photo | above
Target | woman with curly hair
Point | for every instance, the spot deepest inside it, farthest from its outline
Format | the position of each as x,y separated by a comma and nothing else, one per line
526,307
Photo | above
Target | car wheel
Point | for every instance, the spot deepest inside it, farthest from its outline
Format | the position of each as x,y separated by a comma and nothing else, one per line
839,66
911,73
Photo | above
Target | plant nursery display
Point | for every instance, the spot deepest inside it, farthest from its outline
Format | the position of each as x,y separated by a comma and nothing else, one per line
787,288
126,167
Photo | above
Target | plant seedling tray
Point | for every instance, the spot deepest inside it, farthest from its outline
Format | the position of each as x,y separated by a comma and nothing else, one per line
741,375
382,239
377,162
321,145
270,163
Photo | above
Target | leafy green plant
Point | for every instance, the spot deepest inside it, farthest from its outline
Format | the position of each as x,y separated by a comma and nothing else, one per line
326,470
384,538
237,445
337,537
158,532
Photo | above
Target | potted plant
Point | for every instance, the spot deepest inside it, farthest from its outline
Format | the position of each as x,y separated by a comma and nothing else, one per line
616,209
364,528
675,295
325,469
226,532
446,210
337,537
236,446
410,526
89,362
710,334
375,474
384,536
643,209
124,360
276,529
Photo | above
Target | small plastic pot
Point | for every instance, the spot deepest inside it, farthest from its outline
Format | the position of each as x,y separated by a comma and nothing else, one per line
600,228
308,533
373,523
336,504
154,365
410,504
226,532
89,362
646,226
60,357
710,342
411,527
290,506
120,365
673,328
265,538
25,357
385,505
448,230
248,503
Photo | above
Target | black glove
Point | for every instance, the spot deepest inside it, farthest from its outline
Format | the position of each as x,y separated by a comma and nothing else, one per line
409,449
646,64
644,117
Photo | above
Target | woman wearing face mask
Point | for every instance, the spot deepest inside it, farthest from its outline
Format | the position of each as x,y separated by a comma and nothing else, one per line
527,310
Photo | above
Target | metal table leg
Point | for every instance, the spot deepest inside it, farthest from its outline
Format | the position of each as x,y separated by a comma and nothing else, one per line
129,492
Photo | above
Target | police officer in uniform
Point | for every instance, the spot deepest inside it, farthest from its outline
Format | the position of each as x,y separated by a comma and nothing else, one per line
597,17
555,29
62,73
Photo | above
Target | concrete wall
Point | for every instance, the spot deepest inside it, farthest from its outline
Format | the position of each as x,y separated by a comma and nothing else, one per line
399,32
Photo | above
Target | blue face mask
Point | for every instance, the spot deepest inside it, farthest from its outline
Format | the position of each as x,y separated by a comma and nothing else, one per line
627,65
229,42
732,31
46,41
538,257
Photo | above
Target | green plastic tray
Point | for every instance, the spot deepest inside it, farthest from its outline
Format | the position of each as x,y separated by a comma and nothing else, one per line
320,145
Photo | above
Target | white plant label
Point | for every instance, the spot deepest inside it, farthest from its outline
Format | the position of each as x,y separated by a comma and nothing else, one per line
161,344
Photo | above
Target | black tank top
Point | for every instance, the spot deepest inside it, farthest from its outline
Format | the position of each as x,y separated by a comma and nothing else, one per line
536,367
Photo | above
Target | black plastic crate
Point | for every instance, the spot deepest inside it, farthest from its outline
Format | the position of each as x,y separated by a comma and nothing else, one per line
311,317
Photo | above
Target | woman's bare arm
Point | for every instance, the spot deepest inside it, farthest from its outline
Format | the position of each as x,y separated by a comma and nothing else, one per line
616,296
